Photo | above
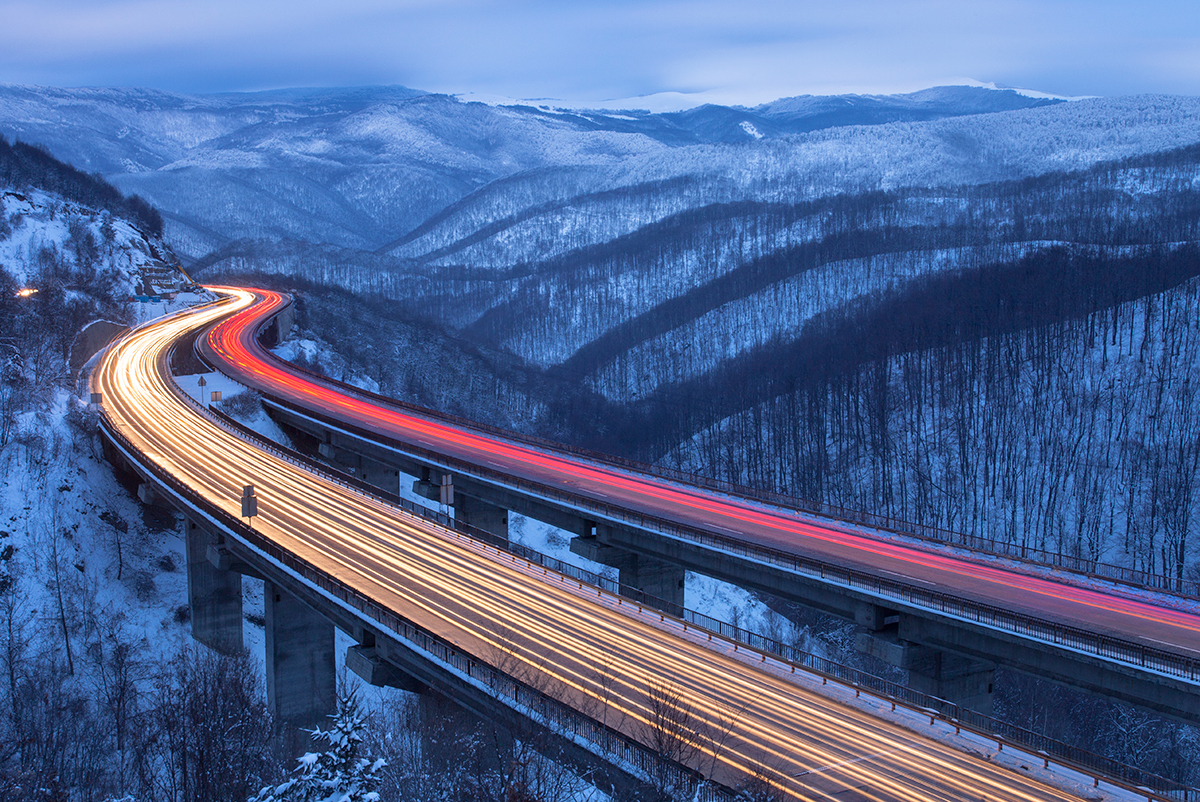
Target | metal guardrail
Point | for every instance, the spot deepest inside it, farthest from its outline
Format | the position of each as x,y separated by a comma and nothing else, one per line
605,742
994,547
1103,646
950,712
566,721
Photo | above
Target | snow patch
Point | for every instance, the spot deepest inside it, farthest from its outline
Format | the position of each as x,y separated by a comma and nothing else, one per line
749,128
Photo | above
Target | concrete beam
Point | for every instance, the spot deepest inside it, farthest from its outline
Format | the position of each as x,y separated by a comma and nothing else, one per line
151,497
656,578
946,675
223,559
377,672
1169,696
301,675
429,474
214,595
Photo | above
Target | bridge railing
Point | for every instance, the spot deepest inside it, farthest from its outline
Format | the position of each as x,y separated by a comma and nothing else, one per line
1014,550
1030,740
605,742
1150,658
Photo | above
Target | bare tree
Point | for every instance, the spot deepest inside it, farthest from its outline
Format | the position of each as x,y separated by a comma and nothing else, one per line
671,731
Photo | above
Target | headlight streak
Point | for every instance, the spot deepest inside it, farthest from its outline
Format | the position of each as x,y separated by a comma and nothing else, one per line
564,638
1119,616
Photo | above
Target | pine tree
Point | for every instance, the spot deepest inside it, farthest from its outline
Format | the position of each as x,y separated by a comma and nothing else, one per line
337,774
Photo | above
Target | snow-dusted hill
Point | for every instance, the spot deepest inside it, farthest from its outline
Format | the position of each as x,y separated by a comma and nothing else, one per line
40,224
363,167
534,213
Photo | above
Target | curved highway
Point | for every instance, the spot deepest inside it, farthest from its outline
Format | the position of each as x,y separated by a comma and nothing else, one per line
234,345
602,657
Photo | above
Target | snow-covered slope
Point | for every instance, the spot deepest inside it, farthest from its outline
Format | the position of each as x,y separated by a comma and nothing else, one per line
361,167
494,228
40,223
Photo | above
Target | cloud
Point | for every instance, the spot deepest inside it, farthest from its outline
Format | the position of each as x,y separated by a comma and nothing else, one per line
736,52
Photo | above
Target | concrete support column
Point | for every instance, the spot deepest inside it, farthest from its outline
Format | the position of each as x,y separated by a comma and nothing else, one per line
214,596
469,510
301,678
946,675
481,515
958,679
657,578
377,474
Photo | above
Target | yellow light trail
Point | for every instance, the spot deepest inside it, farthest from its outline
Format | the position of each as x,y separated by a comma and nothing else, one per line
583,648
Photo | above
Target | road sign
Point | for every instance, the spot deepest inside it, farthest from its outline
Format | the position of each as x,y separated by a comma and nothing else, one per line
249,502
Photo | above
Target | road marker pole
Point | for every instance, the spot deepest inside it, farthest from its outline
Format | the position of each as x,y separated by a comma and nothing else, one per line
249,505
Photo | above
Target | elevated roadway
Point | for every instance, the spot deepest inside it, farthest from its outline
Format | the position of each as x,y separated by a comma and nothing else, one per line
1129,647
586,650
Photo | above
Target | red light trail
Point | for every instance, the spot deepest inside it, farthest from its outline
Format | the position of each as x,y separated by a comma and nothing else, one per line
1131,619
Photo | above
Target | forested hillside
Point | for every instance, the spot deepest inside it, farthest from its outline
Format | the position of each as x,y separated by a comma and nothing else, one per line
930,351
974,315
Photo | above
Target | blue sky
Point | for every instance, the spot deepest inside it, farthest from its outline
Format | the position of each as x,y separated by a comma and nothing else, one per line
746,52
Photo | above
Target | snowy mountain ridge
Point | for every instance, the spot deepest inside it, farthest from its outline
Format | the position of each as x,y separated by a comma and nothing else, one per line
361,167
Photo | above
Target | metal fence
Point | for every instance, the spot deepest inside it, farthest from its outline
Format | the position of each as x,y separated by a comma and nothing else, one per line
1019,551
1031,741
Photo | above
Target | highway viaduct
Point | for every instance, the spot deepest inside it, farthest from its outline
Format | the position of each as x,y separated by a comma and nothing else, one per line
949,646
304,604
951,650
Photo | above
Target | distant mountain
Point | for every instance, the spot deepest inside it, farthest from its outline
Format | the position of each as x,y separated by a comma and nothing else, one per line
800,115
361,167
812,112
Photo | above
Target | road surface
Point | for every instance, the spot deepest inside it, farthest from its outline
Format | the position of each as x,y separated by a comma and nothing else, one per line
234,345
604,658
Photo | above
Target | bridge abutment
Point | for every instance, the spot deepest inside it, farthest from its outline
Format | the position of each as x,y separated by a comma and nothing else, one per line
214,595
301,672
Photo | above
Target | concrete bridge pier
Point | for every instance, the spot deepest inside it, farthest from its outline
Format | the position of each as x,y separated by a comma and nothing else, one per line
377,474
214,595
481,515
946,675
468,509
301,673
654,577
